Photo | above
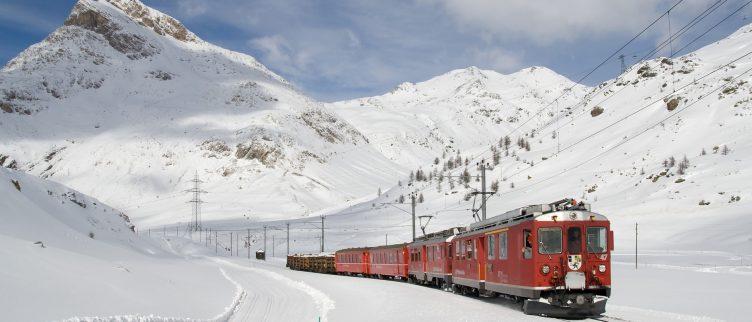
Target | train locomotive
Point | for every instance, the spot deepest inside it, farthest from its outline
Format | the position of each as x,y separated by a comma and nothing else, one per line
554,258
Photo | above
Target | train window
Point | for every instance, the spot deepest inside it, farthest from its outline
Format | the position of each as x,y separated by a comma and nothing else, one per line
457,249
549,240
462,250
491,246
469,248
597,239
503,245
527,251
449,251
475,248
439,251
574,240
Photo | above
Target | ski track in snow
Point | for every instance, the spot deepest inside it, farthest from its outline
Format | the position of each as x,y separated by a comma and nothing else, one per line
229,311
323,303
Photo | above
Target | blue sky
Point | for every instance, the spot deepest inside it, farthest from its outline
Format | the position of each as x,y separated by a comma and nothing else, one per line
335,50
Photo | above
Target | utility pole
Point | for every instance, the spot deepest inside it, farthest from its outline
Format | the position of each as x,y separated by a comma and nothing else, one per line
635,245
207,237
483,166
248,242
322,233
196,201
412,202
264,240
215,243
623,65
230,246
288,239
386,239
483,188
237,244
273,245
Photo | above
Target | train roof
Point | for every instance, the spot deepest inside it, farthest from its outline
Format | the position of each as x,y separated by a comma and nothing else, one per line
439,236
532,212
354,249
387,246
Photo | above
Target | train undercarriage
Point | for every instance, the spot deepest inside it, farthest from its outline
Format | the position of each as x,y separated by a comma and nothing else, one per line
566,305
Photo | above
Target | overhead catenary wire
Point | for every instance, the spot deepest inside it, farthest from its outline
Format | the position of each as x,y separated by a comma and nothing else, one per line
582,78
632,137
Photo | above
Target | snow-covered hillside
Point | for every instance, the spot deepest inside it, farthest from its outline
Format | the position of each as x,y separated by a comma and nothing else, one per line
66,254
126,104
666,145
460,110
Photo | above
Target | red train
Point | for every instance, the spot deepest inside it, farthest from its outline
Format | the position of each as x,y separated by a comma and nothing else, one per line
555,257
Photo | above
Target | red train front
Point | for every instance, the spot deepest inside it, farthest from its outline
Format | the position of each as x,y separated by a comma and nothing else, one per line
554,256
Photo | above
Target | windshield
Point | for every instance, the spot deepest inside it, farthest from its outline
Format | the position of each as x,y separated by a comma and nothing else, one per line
549,240
574,240
597,239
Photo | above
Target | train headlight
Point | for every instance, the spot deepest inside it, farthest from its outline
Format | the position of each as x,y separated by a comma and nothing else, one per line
545,269
602,268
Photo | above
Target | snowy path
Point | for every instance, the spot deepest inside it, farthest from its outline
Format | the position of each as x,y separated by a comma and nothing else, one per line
278,294
273,297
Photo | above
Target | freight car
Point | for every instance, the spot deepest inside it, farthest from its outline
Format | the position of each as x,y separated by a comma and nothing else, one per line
323,263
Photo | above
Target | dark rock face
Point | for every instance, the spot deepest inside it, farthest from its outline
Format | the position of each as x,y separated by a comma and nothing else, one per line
133,46
264,153
596,111
162,25
673,103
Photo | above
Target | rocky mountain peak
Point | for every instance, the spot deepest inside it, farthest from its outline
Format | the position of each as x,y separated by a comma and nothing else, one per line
102,17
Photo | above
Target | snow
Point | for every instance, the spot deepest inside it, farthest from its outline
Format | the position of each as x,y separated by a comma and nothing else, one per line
115,272
129,132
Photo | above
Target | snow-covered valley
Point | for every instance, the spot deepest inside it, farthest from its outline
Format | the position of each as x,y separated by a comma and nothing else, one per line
104,124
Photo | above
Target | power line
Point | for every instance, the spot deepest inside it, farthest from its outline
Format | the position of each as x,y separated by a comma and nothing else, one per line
633,137
579,81
714,26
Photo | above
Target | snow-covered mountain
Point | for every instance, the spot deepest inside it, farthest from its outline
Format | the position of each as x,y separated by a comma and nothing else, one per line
126,104
667,145
460,110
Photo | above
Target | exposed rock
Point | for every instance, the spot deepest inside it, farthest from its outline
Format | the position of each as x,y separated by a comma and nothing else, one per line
646,72
216,147
133,46
16,184
266,154
161,24
596,111
158,74
673,103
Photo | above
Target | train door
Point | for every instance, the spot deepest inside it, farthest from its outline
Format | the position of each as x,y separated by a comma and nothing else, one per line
424,259
490,256
366,262
481,256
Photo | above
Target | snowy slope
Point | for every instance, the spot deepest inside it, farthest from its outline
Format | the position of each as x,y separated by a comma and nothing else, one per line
126,104
66,254
460,110
611,156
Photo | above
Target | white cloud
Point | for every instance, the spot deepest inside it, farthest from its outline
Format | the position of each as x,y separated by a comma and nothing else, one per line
498,59
545,22
192,8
